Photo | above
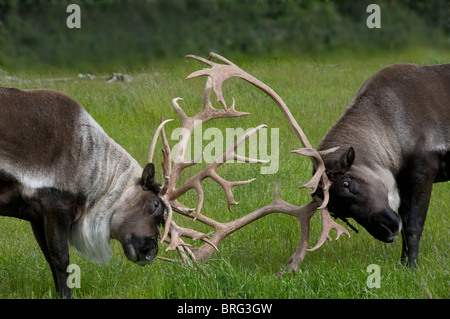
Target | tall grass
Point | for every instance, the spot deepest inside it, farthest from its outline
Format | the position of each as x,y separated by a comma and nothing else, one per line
317,91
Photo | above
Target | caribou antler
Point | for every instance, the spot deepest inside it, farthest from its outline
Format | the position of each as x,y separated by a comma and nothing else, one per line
217,74
170,193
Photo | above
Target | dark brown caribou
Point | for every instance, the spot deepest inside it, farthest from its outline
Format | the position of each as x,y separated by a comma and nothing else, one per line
60,171
394,143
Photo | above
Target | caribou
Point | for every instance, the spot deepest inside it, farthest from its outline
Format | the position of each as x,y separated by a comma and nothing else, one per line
60,171
394,143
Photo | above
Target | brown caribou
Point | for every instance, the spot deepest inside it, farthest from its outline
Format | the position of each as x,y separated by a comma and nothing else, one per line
60,171
394,143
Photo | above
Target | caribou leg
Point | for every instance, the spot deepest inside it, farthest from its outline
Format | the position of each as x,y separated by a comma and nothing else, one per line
415,186
52,232
39,234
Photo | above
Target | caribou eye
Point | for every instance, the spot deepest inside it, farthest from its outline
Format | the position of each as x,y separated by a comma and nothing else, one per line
153,205
154,208
346,184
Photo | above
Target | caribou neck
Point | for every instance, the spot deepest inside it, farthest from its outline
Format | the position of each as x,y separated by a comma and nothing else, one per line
110,175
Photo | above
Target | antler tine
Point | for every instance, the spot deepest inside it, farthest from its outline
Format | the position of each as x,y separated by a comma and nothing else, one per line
207,94
177,231
167,217
219,73
189,124
327,225
220,58
318,164
166,164
166,169
319,175
155,139
208,62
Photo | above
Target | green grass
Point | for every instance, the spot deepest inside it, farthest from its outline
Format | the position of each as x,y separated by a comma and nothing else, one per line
317,91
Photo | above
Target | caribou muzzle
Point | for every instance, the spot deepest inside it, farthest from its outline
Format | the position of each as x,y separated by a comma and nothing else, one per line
141,250
385,226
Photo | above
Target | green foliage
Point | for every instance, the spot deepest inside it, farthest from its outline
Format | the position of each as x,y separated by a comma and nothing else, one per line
317,91
131,34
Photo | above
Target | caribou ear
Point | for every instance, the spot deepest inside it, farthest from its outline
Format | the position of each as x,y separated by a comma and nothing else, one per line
347,158
148,179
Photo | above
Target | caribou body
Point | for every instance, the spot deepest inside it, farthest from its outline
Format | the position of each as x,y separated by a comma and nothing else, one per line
394,143
61,172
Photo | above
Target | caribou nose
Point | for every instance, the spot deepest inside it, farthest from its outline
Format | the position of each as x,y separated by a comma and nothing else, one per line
147,248
152,251
391,223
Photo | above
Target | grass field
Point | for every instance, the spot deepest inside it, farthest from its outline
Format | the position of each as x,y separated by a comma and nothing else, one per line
317,91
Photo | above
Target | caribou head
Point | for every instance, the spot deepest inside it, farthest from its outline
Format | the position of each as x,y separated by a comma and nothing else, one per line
365,195
136,227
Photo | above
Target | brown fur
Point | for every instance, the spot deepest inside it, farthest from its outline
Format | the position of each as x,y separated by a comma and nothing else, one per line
37,126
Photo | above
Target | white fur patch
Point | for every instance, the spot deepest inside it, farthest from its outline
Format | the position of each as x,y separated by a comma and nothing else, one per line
37,180
90,235
394,199
387,178
31,179
441,147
